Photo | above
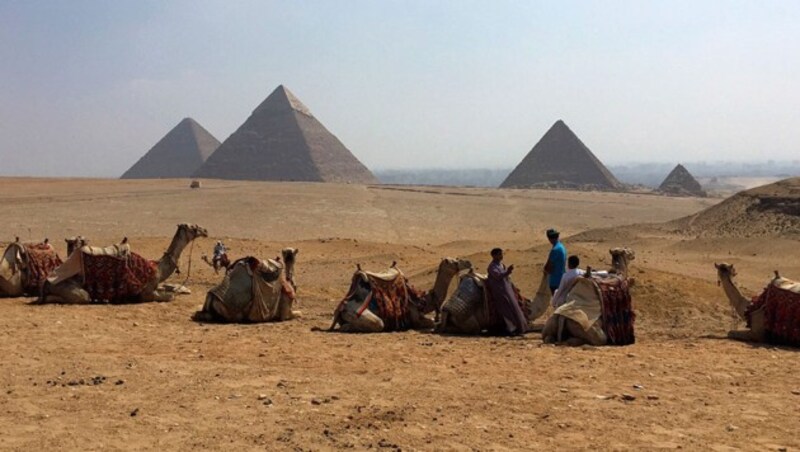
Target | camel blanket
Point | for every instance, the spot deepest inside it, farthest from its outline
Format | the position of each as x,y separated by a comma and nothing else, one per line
602,304
781,313
389,297
111,278
40,260
73,266
251,292
618,315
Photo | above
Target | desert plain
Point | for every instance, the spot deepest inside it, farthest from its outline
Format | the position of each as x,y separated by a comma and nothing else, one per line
145,376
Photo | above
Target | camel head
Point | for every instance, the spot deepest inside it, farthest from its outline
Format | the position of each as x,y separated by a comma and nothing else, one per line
621,259
455,265
75,242
192,231
725,270
289,255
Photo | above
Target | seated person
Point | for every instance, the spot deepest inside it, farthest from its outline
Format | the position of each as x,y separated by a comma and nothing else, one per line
560,296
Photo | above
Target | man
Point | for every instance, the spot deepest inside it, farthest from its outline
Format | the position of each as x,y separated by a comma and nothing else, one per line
502,296
220,255
556,261
573,272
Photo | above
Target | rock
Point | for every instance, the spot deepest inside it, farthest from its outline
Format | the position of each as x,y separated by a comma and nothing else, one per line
316,401
134,412
262,397
119,382
652,397
730,428
628,397
638,387
606,397
564,390
796,392
631,355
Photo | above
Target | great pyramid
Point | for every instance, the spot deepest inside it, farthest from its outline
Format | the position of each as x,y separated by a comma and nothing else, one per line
178,154
281,140
561,160
680,182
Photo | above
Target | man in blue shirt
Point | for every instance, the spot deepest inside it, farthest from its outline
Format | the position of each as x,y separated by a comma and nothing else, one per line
556,261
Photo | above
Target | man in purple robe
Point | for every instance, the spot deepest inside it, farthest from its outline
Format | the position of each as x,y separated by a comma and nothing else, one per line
510,319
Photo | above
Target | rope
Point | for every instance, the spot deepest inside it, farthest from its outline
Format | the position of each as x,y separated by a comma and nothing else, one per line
189,268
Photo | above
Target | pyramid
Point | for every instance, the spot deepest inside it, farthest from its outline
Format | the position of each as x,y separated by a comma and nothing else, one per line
281,140
561,160
680,182
178,154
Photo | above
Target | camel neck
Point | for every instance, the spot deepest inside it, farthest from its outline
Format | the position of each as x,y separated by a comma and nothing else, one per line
169,262
735,297
443,278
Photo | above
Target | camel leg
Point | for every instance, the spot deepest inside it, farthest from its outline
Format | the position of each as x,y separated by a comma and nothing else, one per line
68,292
367,322
160,297
419,321
550,330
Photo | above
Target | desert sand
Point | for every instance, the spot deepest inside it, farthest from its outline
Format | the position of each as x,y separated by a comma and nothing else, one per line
147,377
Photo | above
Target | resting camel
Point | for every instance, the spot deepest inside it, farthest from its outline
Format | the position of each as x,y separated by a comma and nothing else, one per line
358,315
584,304
467,309
67,283
753,313
254,291
24,266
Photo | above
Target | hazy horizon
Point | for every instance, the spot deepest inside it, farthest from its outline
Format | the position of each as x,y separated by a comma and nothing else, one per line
90,86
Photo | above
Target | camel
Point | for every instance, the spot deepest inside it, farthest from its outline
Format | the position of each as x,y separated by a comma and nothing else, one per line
359,312
467,309
69,283
24,266
754,310
254,291
580,318
223,263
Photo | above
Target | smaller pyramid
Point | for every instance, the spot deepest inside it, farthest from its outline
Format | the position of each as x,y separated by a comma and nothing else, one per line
680,182
561,160
179,154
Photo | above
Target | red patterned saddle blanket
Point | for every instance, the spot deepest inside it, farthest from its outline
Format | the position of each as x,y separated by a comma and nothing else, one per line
781,315
618,315
41,259
111,278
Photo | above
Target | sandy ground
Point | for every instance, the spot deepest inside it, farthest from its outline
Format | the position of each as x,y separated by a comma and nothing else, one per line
147,377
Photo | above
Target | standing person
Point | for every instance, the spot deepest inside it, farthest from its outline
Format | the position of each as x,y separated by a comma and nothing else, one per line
502,295
573,272
556,261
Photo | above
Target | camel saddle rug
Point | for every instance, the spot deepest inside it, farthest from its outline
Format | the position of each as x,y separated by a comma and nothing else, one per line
112,278
389,297
41,259
781,314
618,316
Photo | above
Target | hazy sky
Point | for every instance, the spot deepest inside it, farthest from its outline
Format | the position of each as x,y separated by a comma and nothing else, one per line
87,87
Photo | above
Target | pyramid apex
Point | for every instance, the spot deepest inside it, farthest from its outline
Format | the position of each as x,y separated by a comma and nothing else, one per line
281,100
